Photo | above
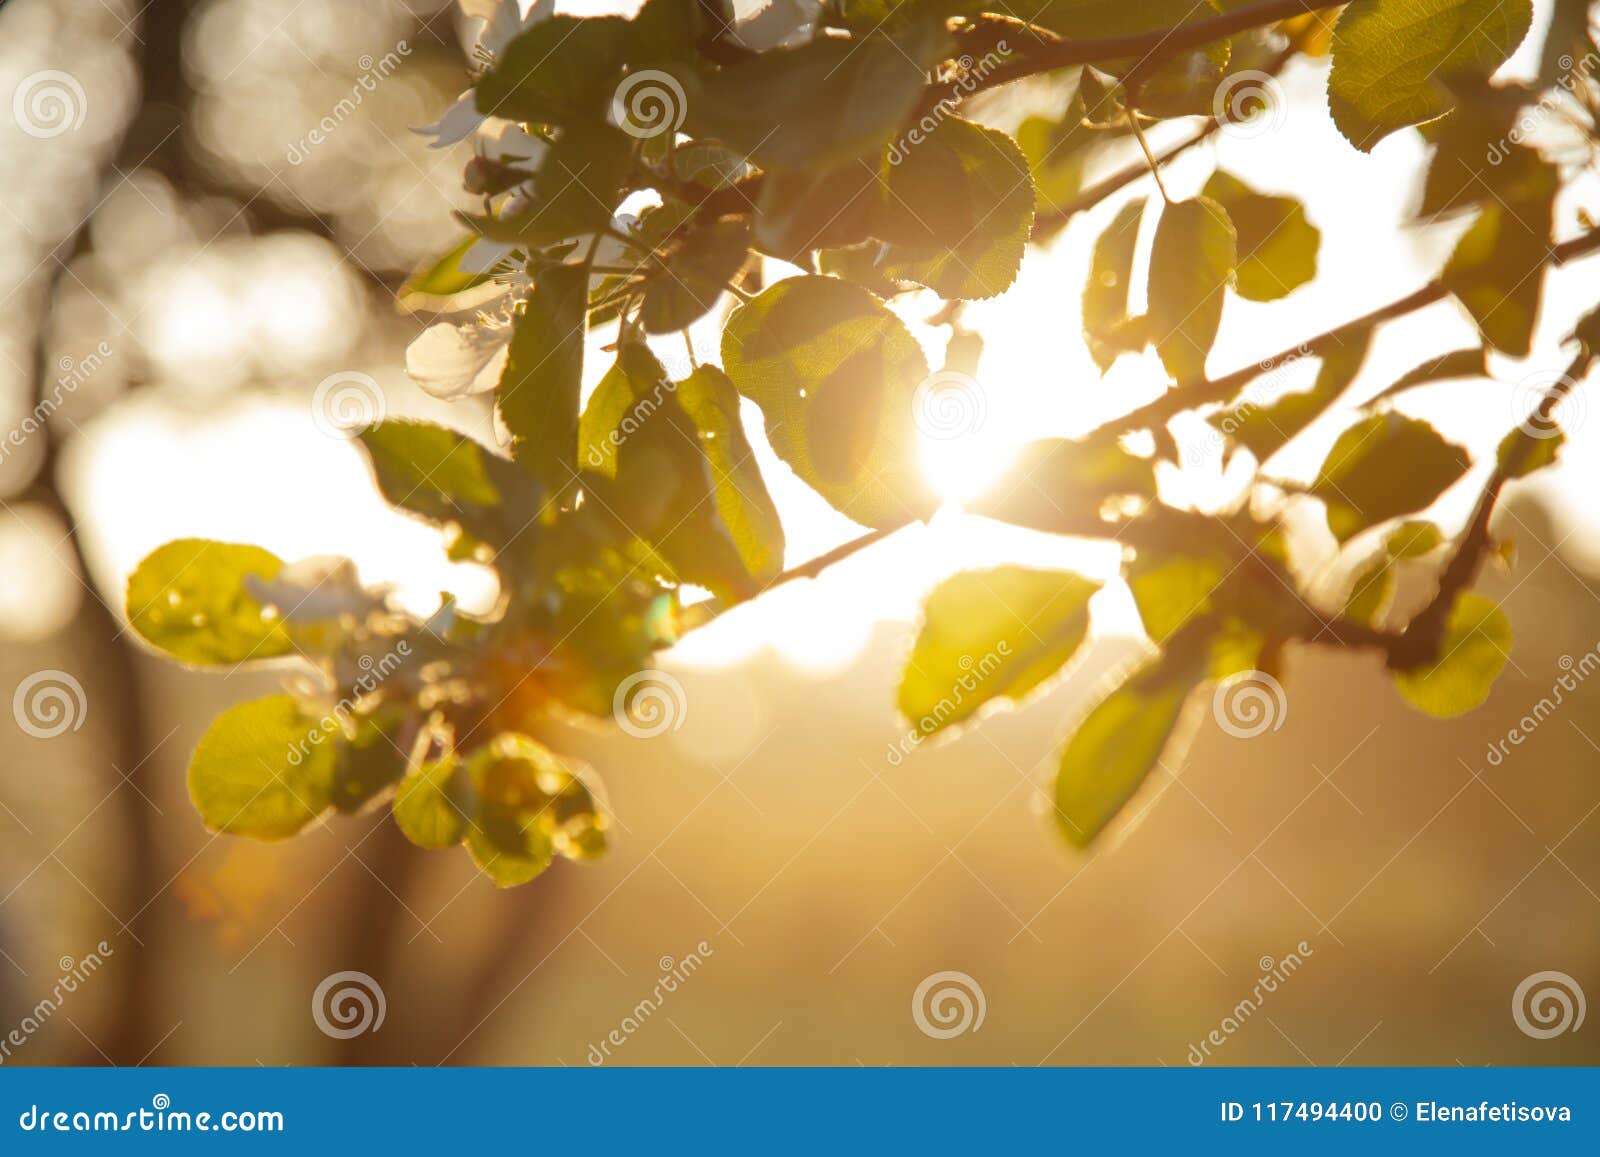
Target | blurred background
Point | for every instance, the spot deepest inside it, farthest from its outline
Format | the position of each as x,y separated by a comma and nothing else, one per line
182,263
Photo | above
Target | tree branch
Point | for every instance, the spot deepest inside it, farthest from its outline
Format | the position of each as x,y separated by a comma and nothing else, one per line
1187,395
1146,47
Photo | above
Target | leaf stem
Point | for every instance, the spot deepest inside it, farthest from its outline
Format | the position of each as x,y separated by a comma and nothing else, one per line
1150,158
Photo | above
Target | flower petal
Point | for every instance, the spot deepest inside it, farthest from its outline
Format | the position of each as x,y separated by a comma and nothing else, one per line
459,122
454,361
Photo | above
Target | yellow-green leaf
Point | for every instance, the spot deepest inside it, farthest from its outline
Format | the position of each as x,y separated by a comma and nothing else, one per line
433,805
1191,265
962,201
1385,466
538,392
264,769
1389,56
1171,590
1105,297
189,598
992,634
1477,642
1115,748
1277,246
835,373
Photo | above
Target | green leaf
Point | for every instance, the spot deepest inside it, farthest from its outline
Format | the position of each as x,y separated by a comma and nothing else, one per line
823,102
961,200
830,207
1521,452
563,70
1371,592
739,492
993,634
1055,479
697,272
1277,246
365,764
1389,54
1171,590
436,285
433,806
264,769
1413,539
834,373
682,473
1477,642
1105,297
1463,363
538,393
1115,748
1385,466
1191,264
189,599
530,806
1497,268
1263,425
576,187
632,389
430,470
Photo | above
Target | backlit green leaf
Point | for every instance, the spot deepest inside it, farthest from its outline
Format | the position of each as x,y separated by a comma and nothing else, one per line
961,199
1105,297
434,805
1385,466
1277,246
538,393
1117,746
697,271
1497,268
1264,420
189,599
1191,264
563,70
825,101
1171,590
1477,641
835,374
1388,57
264,769
993,634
